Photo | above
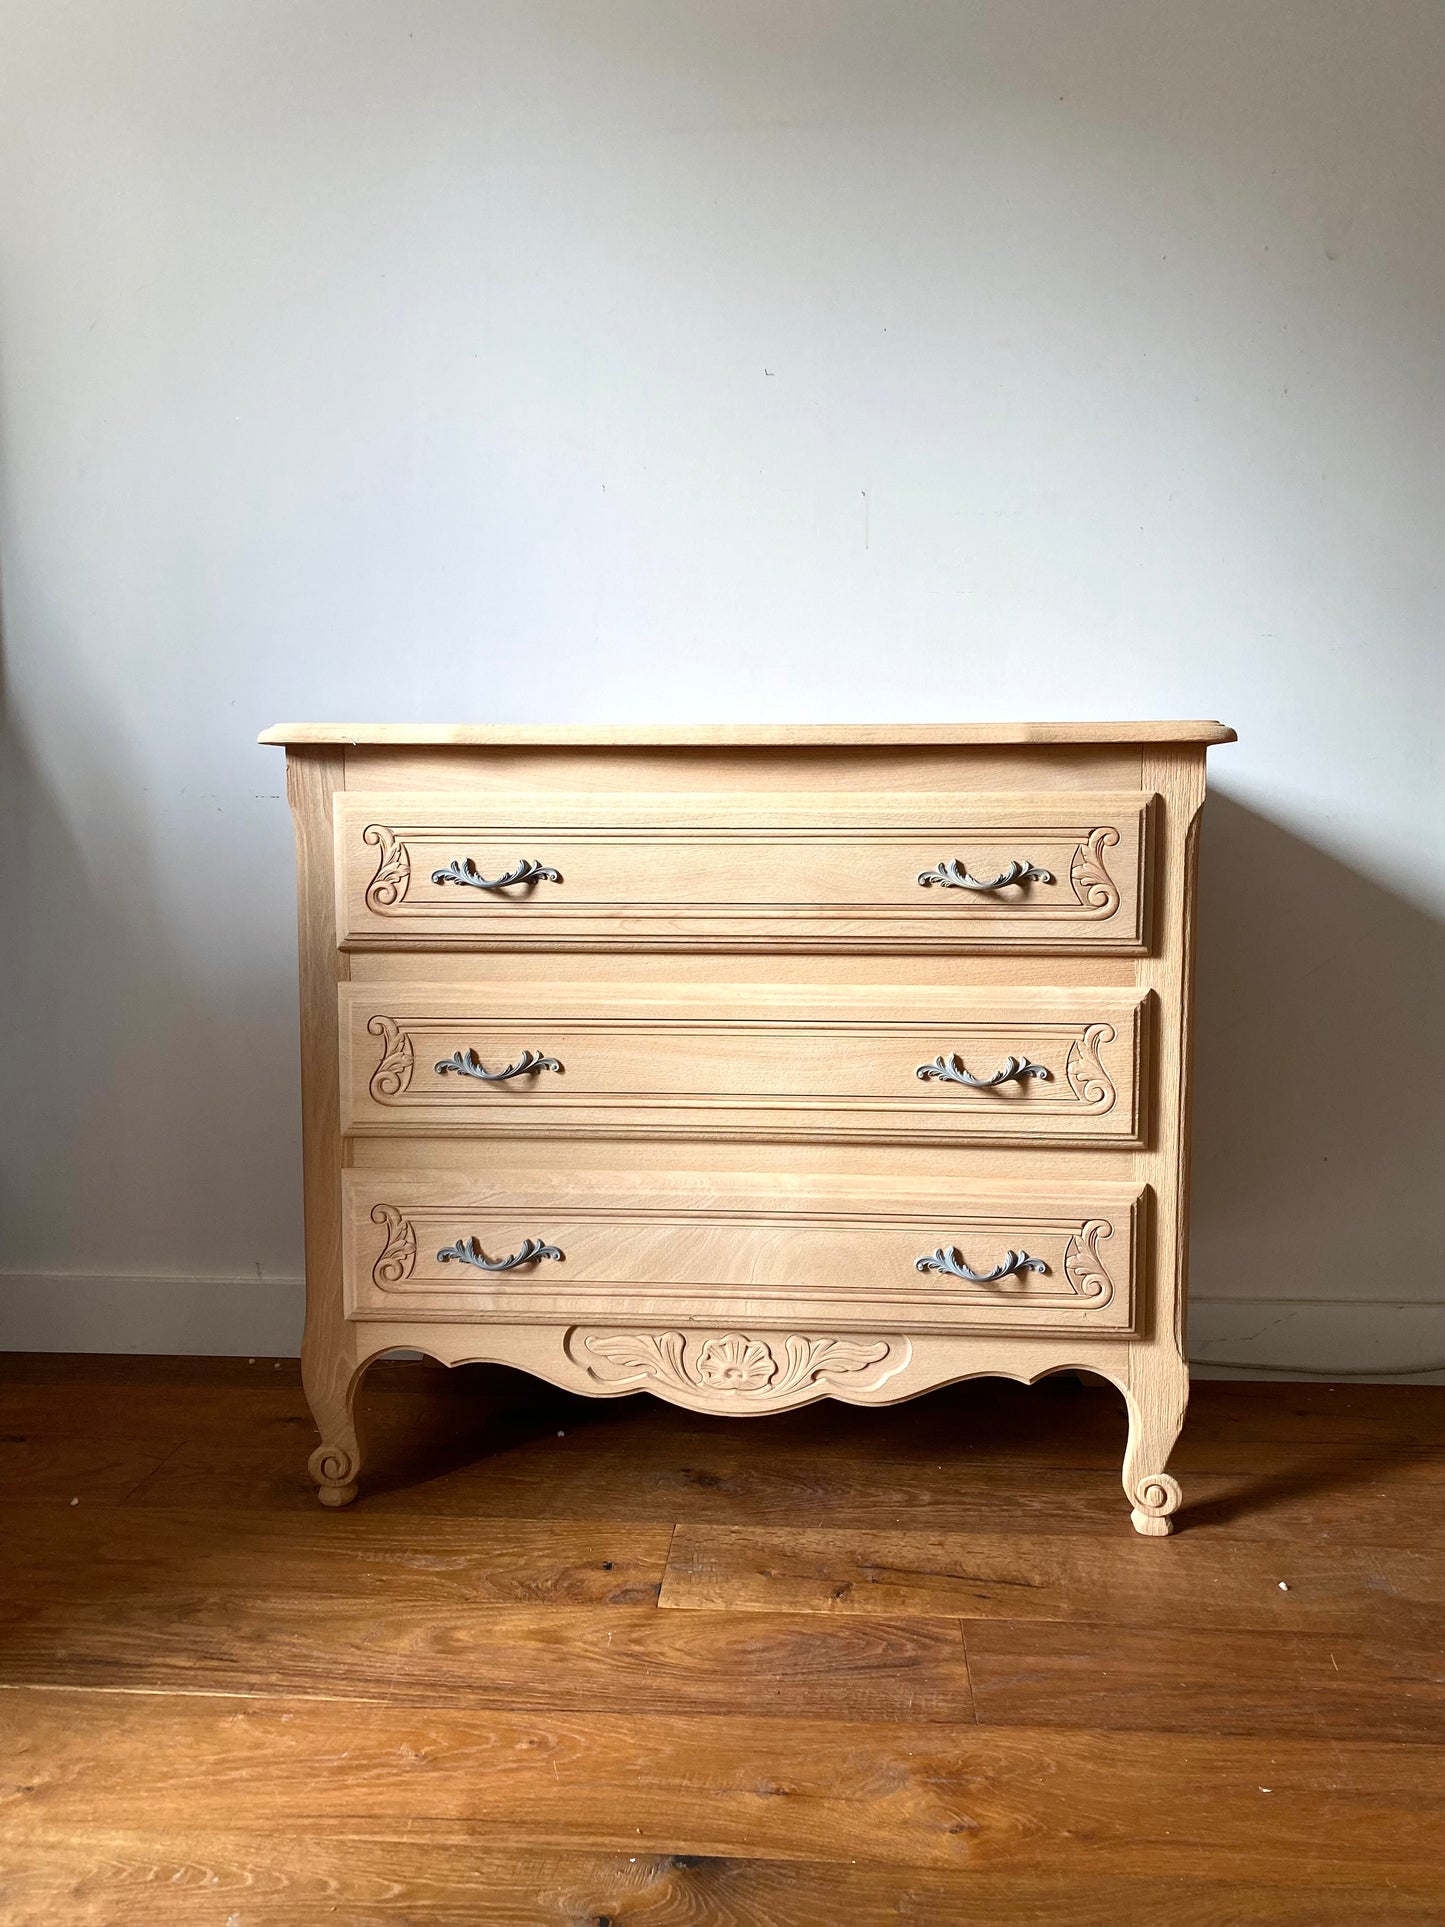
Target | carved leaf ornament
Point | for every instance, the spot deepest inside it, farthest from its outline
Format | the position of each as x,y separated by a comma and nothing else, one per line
730,1364
393,1074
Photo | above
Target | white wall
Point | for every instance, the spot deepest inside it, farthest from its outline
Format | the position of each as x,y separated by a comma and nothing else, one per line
636,359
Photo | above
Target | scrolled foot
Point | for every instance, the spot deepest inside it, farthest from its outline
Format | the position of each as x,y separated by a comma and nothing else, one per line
334,1470
1155,1498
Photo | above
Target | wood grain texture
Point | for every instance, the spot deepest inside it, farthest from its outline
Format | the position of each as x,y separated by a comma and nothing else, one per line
960,1797
743,735
714,1250
760,1063
694,870
1049,853
85,1563
423,1710
328,1350
1202,1582
105,1877
629,1463
1326,1686
461,1654
103,1471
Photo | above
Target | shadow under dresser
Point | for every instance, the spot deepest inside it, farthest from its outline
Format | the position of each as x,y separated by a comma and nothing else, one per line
749,1066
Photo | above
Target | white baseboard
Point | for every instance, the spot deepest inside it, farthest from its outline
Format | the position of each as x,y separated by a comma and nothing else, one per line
77,1311
1286,1338
1363,1339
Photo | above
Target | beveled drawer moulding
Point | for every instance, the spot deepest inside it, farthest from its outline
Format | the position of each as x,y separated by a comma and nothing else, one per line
691,870
852,1254
749,1066
989,1067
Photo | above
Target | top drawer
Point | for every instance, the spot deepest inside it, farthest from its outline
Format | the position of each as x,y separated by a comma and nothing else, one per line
1063,872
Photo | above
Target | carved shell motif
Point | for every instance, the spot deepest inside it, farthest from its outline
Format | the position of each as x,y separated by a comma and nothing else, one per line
394,1266
1088,1079
1091,881
398,1060
730,1366
393,870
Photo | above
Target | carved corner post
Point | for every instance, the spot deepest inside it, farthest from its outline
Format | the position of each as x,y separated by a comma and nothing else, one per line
328,1368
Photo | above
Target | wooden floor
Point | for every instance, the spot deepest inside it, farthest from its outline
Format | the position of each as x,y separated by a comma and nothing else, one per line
611,1663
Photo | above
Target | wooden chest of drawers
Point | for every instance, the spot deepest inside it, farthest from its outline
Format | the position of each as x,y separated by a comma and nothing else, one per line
749,1066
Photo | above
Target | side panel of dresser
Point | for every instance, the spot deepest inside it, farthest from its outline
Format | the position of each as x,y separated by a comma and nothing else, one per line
330,1349
1157,1391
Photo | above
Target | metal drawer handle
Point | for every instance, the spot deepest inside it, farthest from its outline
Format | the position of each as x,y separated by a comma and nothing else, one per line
470,1065
468,1251
952,1070
954,876
464,870
955,1265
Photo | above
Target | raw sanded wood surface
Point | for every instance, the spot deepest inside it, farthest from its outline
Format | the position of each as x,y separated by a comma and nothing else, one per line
570,1106
747,735
623,1663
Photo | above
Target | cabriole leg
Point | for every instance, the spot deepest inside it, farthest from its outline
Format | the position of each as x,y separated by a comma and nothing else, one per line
331,1393
1157,1396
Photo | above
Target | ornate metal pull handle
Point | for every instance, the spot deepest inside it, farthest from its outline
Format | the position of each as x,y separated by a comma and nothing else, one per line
952,1070
464,870
955,1265
954,876
468,1251
470,1065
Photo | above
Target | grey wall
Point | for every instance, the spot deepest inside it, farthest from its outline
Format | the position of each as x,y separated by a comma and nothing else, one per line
635,359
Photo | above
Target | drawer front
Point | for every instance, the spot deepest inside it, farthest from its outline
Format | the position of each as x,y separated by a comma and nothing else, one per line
1012,1066
1062,873
708,1249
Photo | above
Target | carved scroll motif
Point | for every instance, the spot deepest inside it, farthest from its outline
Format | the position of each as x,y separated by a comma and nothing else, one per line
1086,1274
730,1367
398,1060
1092,884
1088,1079
395,1264
393,870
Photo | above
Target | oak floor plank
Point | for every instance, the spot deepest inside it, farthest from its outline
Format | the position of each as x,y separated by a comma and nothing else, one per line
658,1474
1030,1673
451,1653
96,1470
1230,1427
107,1559
146,1397
992,1800
240,1704
1189,1580
102,1877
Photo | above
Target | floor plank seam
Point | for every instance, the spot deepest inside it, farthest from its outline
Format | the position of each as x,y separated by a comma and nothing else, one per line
663,1604
968,1672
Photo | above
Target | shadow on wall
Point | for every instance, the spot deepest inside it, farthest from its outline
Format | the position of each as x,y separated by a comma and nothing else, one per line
124,1171
96,993
1319,1109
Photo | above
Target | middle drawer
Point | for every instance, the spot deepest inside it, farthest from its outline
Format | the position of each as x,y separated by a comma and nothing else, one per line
767,1063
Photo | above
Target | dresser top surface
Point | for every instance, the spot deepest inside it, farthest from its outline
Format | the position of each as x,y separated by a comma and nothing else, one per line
739,735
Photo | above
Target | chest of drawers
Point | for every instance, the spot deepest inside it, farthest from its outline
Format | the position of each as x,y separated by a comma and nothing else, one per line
749,1066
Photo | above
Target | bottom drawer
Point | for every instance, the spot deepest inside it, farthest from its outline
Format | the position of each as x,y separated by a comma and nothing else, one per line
689,1247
